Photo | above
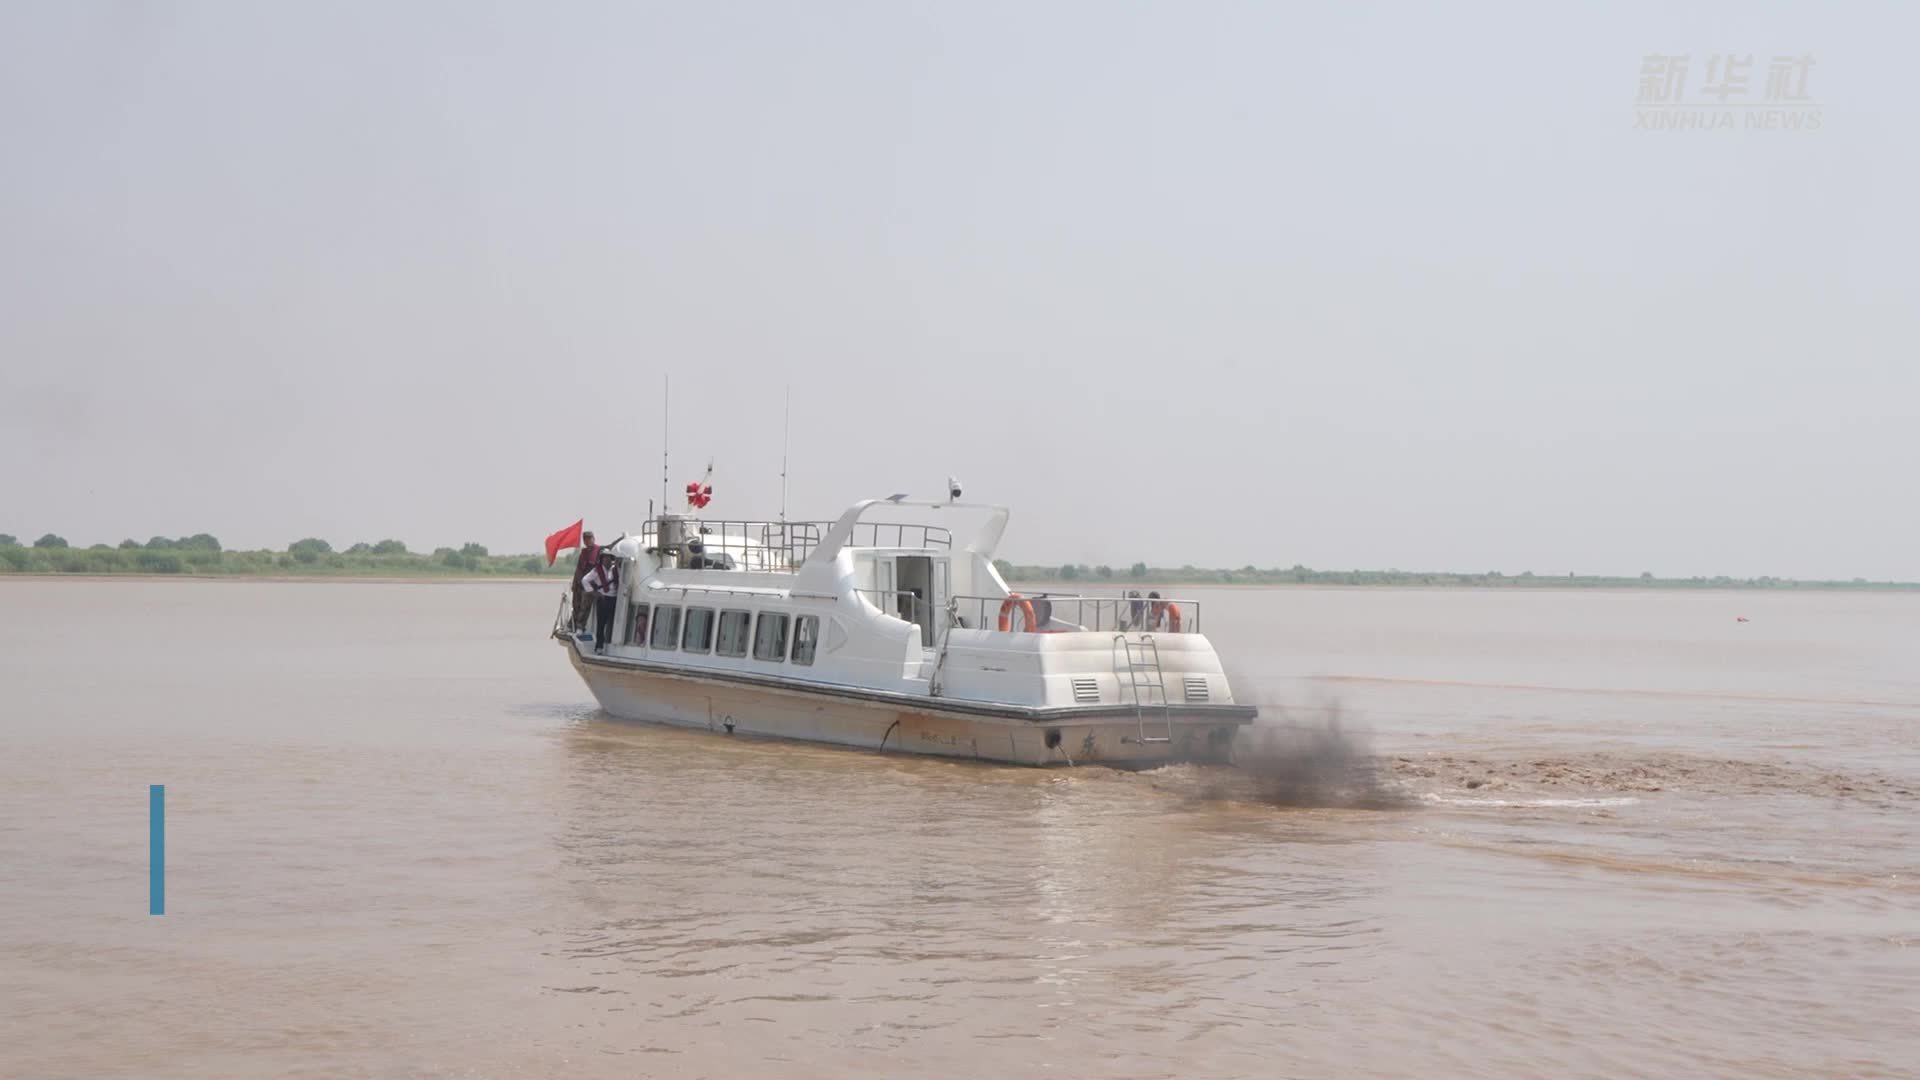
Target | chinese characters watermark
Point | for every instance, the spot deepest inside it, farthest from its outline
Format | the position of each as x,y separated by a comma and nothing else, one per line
1726,97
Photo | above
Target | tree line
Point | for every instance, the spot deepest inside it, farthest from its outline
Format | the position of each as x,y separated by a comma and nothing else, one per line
202,553
1081,575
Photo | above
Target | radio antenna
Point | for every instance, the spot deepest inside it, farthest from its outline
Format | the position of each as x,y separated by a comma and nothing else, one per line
666,417
786,440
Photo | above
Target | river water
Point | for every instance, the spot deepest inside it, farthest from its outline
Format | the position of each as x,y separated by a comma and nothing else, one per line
1481,833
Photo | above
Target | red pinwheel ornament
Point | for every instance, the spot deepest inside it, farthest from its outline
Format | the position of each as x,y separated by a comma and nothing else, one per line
700,492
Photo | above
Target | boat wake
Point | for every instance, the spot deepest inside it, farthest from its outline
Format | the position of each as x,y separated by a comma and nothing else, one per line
1596,775
1300,764
1297,763
1577,803
1311,757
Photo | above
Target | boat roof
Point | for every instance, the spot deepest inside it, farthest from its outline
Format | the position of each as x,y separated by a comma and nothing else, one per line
972,527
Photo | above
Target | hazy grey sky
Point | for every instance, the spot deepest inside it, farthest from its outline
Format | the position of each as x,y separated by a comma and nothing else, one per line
1348,285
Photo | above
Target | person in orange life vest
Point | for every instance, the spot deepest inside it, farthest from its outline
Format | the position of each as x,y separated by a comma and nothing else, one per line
589,558
603,583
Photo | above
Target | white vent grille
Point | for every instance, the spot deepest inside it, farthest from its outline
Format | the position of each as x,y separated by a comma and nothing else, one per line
1086,691
1196,688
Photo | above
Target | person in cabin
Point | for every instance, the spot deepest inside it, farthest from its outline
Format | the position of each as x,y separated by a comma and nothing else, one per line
603,584
698,559
589,558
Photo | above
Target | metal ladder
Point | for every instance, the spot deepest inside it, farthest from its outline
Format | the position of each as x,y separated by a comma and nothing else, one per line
1143,673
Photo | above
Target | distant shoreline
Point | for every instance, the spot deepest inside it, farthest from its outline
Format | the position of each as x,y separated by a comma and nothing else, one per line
1055,588
1175,589
302,579
202,558
1141,576
1541,584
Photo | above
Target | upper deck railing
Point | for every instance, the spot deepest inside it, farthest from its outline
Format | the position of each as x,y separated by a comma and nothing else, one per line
904,535
781,546
760,546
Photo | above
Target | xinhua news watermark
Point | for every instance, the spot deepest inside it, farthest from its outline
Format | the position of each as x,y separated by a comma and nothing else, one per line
1726,97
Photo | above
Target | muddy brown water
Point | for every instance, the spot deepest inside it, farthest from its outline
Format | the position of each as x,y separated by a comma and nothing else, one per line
1545,833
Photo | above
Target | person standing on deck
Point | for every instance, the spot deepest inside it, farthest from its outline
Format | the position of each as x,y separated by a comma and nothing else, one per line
588,559
603,583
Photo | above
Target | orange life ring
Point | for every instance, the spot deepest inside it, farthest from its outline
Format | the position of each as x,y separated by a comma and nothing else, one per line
1168,608
1015,600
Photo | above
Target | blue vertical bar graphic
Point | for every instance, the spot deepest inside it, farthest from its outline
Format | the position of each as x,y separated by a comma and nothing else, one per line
157,849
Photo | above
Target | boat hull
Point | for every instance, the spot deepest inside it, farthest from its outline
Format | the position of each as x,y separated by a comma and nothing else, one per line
926,726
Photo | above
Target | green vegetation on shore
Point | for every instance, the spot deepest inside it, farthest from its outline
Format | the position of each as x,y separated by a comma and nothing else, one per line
1079,576
202,554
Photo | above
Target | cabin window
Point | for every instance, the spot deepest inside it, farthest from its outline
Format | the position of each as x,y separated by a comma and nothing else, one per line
733,632
806,638
699,637
666,626
637,625
770,637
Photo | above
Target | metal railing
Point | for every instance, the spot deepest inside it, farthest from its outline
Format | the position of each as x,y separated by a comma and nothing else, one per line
904,606
754,546
1109,614
898,603
1052,614
871,534
775,546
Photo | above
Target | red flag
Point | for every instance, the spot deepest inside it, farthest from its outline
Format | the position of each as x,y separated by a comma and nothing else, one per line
566,538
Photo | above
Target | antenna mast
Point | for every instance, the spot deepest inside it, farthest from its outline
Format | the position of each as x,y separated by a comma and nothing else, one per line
786,440
666,417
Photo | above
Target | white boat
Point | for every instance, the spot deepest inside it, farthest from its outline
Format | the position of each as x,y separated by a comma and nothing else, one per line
890,629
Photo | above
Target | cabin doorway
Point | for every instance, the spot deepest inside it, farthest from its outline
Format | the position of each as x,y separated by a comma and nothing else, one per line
915,600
